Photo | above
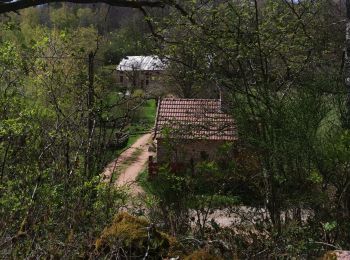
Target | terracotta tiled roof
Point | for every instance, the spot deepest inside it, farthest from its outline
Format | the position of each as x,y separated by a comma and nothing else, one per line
193,119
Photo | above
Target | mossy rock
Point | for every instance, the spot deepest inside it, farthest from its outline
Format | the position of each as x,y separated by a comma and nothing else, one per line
337,255
201,255
130,236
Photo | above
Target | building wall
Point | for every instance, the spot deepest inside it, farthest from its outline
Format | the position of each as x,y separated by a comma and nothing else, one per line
139,79
186,150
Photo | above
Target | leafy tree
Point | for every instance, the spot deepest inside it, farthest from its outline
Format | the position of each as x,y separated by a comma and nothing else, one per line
47,193
277,64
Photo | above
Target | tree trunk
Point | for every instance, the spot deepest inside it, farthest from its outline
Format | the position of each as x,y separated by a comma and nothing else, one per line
347,65
91,121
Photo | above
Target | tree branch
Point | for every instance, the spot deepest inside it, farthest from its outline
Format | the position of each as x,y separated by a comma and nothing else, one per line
13,6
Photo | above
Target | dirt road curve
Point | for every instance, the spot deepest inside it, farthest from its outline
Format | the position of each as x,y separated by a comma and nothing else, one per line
127,171
128,175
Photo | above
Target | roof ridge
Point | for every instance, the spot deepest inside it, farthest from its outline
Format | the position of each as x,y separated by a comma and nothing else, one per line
141,56
201,99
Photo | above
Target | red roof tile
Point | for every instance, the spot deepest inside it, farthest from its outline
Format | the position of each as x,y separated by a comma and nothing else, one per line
194,119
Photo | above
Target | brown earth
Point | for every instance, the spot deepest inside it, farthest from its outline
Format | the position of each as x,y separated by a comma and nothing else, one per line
128,167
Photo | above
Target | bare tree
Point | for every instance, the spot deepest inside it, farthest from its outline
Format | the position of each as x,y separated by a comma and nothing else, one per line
347,64
13,6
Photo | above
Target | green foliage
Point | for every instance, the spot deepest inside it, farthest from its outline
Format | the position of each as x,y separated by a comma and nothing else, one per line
171,189
180,194
62,18
277,64
329,226
128,40
46,191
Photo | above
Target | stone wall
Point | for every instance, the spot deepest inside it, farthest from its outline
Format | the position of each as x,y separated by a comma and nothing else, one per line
186,150
139,79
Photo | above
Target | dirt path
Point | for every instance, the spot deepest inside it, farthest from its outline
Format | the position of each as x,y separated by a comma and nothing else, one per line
133,160
130,163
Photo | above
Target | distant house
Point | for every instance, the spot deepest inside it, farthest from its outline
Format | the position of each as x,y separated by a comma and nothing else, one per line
140,71
190,130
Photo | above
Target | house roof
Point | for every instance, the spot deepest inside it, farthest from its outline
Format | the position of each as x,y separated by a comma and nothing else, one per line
193,119
144,63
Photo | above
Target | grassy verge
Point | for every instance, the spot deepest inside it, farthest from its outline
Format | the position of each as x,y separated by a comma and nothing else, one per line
149,111
143,124
144,121
142,180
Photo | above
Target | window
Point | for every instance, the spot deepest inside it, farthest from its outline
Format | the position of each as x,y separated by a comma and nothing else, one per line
147,82
121,79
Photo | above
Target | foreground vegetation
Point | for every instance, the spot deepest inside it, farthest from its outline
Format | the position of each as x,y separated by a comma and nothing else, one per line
278,66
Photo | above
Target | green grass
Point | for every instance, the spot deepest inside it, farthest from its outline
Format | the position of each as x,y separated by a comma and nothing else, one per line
149,110
145,124
112,98
146,116
142,180
132,140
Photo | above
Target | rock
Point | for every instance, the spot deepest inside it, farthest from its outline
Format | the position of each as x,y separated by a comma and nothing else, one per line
201,255
130,236
337,255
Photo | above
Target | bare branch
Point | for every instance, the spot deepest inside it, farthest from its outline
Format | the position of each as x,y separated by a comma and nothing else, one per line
13,6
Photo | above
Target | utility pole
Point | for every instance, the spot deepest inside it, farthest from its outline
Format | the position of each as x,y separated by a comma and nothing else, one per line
347,66
91,118
91,92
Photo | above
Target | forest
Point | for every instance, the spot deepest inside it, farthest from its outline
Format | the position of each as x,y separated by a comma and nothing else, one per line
280,191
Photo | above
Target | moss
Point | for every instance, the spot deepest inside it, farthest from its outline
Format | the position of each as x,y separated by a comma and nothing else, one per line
130,235
337,254
330,256
201,255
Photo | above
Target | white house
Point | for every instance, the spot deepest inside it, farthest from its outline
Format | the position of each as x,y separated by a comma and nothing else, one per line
140,71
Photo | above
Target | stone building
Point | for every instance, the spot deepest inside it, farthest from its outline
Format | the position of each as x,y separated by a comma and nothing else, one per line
190,130
140,72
